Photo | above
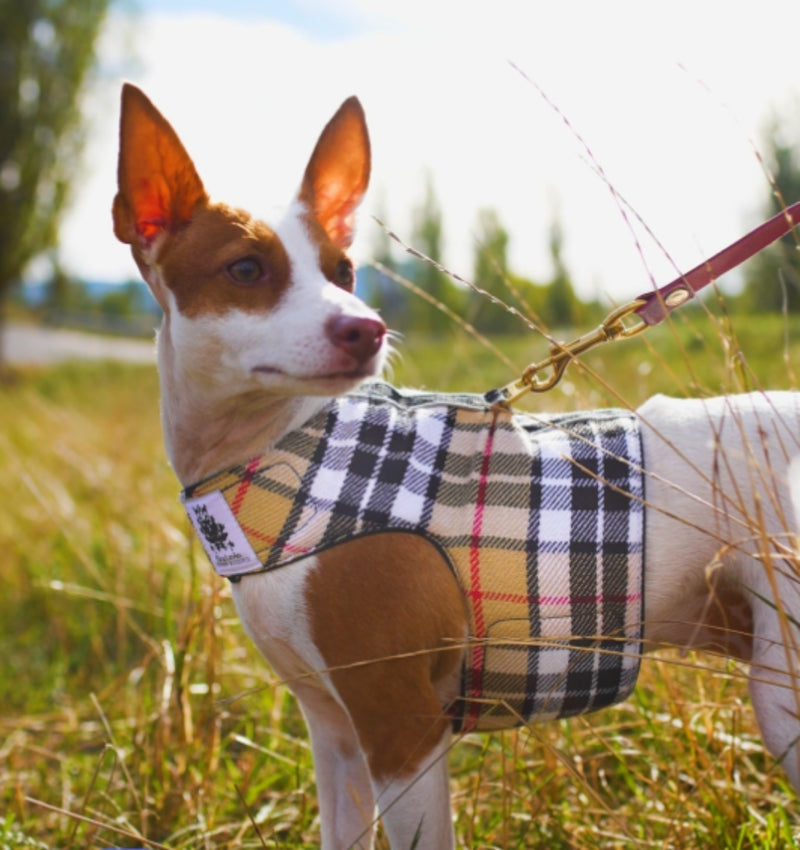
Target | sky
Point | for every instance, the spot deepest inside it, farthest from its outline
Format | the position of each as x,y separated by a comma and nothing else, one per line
533,109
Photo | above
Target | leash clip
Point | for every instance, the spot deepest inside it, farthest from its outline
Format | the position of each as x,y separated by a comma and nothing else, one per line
650,308
544,375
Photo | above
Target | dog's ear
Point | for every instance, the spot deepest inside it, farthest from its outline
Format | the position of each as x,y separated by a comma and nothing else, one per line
158,185
338,172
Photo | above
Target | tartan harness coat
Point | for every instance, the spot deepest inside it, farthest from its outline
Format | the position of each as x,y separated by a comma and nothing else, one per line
539,517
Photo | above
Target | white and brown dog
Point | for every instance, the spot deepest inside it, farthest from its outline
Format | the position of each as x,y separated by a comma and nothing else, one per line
373,537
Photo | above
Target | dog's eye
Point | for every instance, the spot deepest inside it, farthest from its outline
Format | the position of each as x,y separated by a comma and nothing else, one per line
344,275
247,270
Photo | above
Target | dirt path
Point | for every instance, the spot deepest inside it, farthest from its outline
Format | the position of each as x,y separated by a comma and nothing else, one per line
32,344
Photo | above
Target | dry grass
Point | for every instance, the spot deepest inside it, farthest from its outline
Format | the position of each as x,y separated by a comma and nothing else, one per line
135,712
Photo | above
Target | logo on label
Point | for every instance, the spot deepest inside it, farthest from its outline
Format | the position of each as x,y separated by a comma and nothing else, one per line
213,531
222,537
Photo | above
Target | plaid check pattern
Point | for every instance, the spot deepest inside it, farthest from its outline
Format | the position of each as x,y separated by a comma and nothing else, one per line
540,517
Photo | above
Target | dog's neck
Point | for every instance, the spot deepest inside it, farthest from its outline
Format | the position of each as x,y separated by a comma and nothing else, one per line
205,432
260,323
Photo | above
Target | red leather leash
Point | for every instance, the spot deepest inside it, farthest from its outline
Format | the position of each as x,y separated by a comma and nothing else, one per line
650,308
658,304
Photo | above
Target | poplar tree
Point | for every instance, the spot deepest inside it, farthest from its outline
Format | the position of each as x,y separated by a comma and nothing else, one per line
47,48
772,278
490,273
428,237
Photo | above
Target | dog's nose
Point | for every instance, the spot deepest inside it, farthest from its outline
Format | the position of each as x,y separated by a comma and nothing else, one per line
357,336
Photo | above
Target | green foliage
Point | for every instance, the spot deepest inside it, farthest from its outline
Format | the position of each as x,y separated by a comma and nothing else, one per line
772,279
550,305
123,309
561,304
46,51
491,274
67,295
423,306
376,286
695,354
12,838
122,301
428,238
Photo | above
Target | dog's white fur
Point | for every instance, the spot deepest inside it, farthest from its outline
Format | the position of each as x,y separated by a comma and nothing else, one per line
721,558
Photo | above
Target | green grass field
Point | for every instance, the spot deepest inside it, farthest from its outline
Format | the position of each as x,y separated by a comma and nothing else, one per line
136,714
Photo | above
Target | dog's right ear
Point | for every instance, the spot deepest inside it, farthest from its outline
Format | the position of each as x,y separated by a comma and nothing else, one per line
158,184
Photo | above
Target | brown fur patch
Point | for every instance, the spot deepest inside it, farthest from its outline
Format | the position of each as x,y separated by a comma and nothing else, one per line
195,261
715,616
392,601
330,255
727,622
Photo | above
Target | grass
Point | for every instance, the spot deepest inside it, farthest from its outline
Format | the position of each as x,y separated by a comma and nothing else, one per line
135,713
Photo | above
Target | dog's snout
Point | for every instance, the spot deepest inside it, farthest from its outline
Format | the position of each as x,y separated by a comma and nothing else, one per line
357,336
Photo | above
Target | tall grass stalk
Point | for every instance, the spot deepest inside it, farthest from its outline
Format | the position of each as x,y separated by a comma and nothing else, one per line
136,713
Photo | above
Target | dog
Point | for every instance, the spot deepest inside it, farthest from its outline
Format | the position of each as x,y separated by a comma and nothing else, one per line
363,606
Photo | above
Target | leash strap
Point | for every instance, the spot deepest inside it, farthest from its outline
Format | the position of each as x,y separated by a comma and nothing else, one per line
649,309
657,305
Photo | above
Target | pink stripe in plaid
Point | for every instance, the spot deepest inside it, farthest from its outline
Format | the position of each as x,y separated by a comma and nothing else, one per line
255,533
244,486
522,599
475,591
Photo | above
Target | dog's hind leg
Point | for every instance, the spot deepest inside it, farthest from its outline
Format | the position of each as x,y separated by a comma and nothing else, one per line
723,566
775,666
775,680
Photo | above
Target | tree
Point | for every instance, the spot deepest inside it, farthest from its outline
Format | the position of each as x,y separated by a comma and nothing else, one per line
490,273
428,238
561,304
375,286
553,304
46,51
774,275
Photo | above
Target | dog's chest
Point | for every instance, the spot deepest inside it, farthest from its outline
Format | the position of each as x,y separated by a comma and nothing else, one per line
540,518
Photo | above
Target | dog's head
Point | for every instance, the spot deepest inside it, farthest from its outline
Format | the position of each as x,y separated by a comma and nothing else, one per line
246,305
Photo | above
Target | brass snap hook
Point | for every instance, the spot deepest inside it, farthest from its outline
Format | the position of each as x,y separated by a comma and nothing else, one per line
561,354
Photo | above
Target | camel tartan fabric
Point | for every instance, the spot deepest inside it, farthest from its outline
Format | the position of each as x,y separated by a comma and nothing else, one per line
540,518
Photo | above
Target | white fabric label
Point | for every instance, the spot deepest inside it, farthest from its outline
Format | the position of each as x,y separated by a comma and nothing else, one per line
225,543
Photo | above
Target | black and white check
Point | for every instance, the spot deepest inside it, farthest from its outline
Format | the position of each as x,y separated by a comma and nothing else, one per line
540,518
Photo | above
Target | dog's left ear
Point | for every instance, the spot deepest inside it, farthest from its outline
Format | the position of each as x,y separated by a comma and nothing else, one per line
338,172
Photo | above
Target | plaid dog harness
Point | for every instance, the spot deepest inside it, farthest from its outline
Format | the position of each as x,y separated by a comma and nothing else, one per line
539,517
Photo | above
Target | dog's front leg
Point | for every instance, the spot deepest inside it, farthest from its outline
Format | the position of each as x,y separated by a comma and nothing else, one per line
414,803
415,808
344,790
274,613
389,620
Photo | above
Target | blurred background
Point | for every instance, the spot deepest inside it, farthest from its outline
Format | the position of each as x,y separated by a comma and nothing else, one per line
497,134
